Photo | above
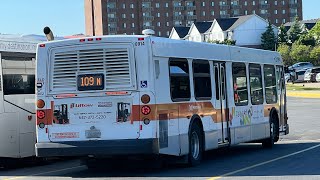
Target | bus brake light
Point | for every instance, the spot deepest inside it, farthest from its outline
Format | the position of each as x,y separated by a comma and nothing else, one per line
41,114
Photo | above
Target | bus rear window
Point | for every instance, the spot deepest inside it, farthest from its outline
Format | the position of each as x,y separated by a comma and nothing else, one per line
18,84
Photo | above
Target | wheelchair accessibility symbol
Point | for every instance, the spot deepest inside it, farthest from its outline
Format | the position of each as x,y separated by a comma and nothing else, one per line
144,84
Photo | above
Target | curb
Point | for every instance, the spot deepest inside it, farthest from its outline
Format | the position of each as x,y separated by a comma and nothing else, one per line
312,94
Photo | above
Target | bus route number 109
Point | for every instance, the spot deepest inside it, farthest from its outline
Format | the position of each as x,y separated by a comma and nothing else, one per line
88,82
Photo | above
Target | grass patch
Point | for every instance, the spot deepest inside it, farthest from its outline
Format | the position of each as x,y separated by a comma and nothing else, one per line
300,87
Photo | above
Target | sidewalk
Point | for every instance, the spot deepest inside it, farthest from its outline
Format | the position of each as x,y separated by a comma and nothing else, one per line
305,93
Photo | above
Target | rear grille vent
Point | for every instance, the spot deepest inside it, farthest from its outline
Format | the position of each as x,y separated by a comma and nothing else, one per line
113,62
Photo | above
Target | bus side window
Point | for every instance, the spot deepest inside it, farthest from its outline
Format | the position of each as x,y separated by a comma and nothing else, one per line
216,78
256,91
270,84
179,79
240,84
201,79
18,84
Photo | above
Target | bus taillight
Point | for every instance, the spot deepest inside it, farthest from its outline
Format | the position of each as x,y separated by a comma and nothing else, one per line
41,114
40,103
145,110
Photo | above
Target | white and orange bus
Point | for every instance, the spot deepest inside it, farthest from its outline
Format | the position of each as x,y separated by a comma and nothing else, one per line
139,95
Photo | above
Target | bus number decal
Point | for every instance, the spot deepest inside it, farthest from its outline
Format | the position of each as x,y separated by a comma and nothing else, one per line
139,44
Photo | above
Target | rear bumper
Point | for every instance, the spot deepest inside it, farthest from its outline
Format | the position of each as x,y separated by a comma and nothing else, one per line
97,148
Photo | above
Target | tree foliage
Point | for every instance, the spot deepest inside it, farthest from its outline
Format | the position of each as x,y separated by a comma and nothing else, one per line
284,50
315,32
282,36
268,39
315,55
295,31
307,39
300,53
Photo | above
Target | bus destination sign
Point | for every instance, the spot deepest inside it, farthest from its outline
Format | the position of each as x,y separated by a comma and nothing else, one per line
87,82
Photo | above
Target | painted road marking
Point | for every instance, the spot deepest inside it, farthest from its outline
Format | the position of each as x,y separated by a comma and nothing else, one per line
44,173
263,163
304,94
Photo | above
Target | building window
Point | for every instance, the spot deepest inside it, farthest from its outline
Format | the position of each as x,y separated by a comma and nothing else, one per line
203,13
168,24
240,86
158,24
132,15
124,25
131,6
283,11
111,5
123,6
157,5
253,11
276,3
212,13
270,84
256,91
203,4
246,3
253,3
111,15
283,3
167,14
158,14
212,3
132,25
167,5
179,80
276,21
283,21
223,12
201,79
159,33
245,12
176,4
123,15
168,33
275,11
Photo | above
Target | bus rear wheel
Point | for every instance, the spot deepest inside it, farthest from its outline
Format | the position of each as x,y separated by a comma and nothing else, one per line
195,145
274,132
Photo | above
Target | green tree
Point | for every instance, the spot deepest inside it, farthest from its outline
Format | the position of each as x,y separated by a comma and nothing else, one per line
295,31
307,39
300,52
268,39
284,50
315,32
282,36
315,55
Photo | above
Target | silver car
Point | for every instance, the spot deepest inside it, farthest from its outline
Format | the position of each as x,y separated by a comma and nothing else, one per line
318,77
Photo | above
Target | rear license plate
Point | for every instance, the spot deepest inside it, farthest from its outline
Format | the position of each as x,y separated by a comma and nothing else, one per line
93,133
87,82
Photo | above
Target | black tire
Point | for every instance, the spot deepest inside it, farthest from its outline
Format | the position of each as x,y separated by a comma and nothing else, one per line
195,145
274,132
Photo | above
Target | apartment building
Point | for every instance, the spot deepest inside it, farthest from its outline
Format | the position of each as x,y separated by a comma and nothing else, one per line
132,16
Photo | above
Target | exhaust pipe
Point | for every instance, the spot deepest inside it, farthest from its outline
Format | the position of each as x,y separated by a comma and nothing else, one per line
47,31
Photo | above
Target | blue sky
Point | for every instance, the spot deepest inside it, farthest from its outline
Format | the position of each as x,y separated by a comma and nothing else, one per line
66,17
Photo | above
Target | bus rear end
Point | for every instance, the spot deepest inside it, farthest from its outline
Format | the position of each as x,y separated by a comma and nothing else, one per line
88,102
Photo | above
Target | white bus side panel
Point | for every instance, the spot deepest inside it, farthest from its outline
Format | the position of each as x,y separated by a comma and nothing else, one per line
1,87
9,140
